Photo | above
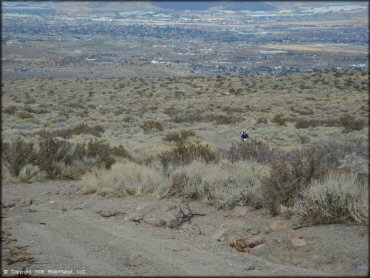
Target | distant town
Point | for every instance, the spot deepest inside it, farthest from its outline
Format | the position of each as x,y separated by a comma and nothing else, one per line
207,42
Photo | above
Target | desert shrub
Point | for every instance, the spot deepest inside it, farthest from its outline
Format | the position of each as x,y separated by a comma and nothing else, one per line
179,137
185,154
303,123
24,116
148,126
57,158
195,116
125,178
304,139
355,164
84,128
305,110
10,109
338,198
17,154
253,149
261,120
223,184
291,174
53,150
104,152
350,123
279,119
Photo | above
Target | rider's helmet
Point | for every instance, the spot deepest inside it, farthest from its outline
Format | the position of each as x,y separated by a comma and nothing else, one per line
244,135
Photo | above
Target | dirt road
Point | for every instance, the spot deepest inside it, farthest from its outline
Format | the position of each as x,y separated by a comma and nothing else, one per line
50,227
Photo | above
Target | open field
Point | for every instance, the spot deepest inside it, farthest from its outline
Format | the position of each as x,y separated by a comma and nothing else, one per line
222,105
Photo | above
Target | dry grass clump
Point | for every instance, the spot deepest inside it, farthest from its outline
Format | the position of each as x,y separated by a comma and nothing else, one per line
223,184
124,178
339,197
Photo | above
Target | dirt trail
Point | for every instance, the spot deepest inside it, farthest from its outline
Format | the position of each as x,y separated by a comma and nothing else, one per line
63,230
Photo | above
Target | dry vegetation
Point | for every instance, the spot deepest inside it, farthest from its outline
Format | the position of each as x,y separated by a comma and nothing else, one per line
307,156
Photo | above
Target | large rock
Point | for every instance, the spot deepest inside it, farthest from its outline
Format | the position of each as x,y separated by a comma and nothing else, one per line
240,211
155,222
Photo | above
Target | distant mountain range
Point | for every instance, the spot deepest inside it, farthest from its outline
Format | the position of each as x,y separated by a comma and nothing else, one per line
219,5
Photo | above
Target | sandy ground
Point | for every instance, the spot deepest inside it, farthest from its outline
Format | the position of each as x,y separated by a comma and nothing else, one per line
63,230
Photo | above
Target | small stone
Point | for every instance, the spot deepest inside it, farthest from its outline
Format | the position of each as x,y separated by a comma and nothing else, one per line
258,247
254,241
142,206
171,208
155,222
279,225
8,204
361,270
107,212
251,267
295,242
135,217
240,211
221,235
26,201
